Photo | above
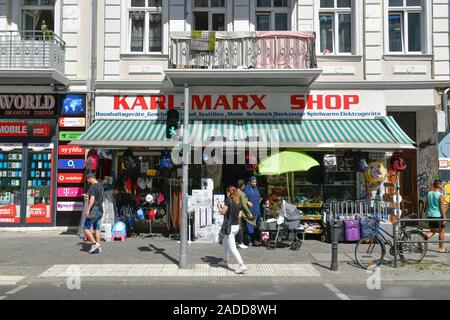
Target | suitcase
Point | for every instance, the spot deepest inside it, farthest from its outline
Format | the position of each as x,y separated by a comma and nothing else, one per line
352,230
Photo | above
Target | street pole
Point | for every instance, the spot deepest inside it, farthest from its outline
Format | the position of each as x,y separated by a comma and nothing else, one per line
334,246
185,191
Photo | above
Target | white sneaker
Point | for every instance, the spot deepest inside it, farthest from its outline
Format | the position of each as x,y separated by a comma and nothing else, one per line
241,269
100,250
242,246
94,248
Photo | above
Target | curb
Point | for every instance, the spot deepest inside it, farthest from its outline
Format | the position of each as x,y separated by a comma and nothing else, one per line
31,230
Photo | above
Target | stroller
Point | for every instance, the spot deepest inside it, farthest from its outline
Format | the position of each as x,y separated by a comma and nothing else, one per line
284,230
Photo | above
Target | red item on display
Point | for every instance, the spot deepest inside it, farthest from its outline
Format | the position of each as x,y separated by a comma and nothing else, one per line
152,214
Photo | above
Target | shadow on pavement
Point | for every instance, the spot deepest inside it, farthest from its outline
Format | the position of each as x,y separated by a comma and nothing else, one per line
165,255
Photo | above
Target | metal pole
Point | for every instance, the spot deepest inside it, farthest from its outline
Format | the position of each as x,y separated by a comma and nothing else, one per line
334,246
185,191
395,243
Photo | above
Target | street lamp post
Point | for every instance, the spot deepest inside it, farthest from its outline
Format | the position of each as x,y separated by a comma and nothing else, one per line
185,190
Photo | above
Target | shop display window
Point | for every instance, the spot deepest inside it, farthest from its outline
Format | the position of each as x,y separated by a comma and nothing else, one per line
10,185
39,186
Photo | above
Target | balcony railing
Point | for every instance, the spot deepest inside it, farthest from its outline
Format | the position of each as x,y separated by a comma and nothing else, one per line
31,50
242,50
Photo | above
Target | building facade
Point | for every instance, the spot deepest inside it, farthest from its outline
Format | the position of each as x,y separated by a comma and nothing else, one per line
336,59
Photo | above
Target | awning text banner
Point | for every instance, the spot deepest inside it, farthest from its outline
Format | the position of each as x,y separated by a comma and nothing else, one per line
278,105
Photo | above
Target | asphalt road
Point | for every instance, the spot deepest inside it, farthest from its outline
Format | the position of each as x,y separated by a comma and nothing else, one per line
221,290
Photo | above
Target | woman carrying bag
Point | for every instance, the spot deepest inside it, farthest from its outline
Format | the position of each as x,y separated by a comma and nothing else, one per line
232,209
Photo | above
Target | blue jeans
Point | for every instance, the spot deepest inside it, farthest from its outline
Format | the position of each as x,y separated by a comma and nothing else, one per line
95,224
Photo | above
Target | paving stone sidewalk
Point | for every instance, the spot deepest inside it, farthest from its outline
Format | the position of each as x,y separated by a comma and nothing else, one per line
33,254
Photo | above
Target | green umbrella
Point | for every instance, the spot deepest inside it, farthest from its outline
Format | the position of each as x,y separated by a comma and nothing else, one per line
285,162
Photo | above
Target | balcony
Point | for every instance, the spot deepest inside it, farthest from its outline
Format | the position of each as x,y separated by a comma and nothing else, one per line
32,58
242,58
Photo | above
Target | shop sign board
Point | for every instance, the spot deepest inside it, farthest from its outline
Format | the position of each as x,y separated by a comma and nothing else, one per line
263,105
70,135
444,164
41,130
13,129
71,164
70,206
8,211
28,105
70,192
38,211
71,151
72,122
74,178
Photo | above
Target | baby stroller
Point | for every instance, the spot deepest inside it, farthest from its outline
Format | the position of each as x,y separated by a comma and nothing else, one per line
286,230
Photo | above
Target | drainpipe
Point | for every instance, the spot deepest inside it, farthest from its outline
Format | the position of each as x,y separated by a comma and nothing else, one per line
93,64
445,106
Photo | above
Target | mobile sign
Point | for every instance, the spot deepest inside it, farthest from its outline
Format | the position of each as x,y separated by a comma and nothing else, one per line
72,122
71,164
70,192
70,206
71,178
71,151
69,136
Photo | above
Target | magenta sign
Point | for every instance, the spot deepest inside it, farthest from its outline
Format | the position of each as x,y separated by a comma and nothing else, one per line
70,192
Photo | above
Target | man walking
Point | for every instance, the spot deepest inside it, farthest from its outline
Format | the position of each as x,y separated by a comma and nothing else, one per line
94,213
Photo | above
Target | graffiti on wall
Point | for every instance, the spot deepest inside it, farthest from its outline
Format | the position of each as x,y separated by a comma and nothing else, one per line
423,181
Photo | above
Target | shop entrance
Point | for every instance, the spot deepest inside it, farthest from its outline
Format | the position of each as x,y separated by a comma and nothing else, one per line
408,178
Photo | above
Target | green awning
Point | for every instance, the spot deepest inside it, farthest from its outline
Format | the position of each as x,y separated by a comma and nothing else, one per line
381,134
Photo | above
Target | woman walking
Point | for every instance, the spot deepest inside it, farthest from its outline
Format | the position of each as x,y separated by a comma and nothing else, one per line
437,210
230,227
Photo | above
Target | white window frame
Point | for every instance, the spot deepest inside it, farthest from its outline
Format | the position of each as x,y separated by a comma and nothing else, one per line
53,8
211,11
335,11
272,11
426,20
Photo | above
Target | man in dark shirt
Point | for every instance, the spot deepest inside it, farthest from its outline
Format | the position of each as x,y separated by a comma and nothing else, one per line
94,212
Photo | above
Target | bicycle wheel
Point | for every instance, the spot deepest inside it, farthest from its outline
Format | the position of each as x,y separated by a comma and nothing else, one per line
414,250
369,252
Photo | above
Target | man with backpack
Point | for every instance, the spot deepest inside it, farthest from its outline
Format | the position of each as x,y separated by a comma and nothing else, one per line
94,213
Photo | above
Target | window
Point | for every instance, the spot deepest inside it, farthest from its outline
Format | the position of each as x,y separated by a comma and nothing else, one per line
272,15
38,15
145,26
209,15
405,26
336,24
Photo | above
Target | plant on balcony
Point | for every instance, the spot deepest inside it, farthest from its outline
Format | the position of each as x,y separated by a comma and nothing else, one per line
47,35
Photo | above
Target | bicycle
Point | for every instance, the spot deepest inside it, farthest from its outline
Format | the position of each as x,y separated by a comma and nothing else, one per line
370,251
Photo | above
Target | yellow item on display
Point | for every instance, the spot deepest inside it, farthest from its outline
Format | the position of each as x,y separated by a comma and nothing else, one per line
376,172
152,172
447,193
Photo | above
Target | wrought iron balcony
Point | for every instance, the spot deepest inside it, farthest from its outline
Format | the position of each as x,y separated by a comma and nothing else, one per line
275,50
31,50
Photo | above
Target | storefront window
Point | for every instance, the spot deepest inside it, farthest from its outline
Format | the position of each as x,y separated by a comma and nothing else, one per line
11,169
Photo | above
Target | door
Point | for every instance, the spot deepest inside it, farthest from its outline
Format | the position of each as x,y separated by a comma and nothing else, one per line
408,182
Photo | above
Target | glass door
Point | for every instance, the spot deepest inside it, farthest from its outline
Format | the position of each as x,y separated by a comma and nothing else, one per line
39,184
11,172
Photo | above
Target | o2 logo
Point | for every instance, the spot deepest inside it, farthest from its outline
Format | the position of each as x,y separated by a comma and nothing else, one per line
71,164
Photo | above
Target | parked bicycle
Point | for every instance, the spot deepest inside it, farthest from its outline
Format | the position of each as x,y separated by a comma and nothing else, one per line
370,250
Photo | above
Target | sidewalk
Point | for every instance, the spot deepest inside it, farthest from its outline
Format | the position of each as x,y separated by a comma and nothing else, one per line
44,253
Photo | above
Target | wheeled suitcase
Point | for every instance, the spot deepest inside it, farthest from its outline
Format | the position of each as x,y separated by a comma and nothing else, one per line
352,230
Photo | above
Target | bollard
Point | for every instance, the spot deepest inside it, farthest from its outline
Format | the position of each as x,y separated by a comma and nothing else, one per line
334,246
